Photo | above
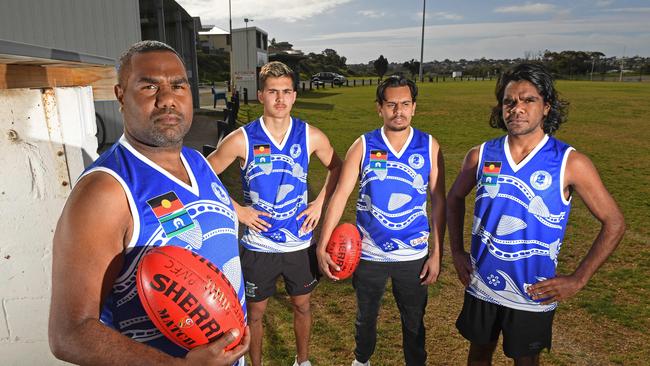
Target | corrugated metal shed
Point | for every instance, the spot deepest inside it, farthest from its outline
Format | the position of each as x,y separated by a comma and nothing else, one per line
96,27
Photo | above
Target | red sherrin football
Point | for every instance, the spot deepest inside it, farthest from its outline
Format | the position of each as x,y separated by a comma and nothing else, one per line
344,247
187,297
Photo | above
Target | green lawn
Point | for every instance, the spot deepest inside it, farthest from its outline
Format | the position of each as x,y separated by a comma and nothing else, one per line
606,323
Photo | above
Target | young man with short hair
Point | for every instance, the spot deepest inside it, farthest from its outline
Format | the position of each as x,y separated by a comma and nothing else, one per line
273,153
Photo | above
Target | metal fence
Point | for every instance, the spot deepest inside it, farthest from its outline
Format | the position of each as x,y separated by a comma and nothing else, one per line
309,85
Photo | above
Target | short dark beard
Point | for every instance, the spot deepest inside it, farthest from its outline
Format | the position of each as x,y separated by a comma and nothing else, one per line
393,129
162,140
159,137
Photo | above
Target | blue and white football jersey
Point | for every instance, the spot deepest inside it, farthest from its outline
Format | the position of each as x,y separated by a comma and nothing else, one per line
520,217
392,204
274,180
167,211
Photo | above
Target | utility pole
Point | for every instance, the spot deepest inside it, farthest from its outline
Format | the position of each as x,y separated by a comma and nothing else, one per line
232,79
620,77
424,6
248,64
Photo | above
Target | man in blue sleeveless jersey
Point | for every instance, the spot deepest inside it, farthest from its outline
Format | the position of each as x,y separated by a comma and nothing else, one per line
118,210
524,184
397,166
273,153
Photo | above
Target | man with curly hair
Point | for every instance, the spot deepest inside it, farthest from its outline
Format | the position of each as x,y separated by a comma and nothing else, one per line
524,184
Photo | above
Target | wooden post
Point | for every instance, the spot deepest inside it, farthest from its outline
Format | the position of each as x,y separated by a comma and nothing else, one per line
101,78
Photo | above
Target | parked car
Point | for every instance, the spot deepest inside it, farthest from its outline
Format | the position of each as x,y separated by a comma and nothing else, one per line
327,78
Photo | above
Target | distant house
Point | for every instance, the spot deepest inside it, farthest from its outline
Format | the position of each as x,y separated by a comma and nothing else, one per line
288,56
457,74
215,39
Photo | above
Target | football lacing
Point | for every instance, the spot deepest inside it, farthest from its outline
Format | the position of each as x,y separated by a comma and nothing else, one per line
217,294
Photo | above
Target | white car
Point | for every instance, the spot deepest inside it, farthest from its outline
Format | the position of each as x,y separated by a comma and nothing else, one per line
327,78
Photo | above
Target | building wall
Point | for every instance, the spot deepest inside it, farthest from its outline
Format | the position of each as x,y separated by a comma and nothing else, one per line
96,27
167,21
46,141
249,54
54,139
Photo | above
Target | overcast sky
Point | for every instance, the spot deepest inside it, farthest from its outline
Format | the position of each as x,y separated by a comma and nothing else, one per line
361,30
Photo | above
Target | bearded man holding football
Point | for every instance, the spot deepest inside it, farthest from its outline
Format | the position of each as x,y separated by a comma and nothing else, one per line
146,191
397,166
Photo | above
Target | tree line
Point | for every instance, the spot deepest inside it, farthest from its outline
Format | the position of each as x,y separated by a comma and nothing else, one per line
567,64
564,64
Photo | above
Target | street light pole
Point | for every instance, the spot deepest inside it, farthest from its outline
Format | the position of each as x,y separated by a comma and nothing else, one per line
248,65
232,79
424,6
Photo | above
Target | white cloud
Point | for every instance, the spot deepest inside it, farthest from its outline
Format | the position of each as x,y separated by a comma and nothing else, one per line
397,50
528,8
491,40
371,13
485,30
284,10
447,16
604,3
629,10
452,37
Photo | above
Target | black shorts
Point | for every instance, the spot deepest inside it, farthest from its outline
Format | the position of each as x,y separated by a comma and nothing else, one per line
261,270
525,333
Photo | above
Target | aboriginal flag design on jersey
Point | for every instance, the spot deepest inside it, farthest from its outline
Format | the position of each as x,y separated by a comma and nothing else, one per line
491,170
378,159
262,154
171,214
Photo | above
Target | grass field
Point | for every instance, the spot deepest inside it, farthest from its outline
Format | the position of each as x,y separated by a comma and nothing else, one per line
606,323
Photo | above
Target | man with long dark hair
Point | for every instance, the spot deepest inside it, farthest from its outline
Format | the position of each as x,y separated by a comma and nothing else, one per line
524,184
